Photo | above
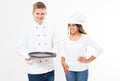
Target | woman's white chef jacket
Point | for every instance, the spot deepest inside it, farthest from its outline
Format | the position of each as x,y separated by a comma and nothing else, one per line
38,38
74,49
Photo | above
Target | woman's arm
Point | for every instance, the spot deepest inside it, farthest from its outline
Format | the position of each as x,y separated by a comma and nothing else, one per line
86,60
65,65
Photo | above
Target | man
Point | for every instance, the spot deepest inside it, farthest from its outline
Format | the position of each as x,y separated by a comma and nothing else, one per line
38,38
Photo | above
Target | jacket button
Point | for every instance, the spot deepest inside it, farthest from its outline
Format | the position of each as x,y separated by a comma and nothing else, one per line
45,43
38,35
44,35
36,27
43,26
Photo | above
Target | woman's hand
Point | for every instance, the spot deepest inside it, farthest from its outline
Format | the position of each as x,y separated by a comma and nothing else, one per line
65,67
85,60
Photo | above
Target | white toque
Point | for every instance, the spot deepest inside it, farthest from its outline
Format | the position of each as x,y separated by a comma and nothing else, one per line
76,18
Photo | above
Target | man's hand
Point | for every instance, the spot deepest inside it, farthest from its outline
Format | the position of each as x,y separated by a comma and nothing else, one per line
31,57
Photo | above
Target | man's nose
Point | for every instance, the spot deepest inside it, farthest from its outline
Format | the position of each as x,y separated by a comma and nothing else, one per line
40,15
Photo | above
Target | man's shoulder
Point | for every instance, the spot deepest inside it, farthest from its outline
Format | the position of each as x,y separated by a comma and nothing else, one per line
50,26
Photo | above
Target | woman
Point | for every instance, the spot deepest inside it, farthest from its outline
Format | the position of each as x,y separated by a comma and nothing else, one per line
73,59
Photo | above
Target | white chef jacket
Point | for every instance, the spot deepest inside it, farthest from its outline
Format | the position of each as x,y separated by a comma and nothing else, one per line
74,49
38,38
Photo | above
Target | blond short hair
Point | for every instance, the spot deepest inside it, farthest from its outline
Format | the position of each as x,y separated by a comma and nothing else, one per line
38,5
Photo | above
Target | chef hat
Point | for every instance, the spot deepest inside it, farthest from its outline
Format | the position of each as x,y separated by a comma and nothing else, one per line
76,18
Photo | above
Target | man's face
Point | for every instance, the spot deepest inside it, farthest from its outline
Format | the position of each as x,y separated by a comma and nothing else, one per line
39,15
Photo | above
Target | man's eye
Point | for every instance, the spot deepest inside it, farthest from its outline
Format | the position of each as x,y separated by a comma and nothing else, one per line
42,13
37,13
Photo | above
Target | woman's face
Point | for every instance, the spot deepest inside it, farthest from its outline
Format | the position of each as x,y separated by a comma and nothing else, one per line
73,28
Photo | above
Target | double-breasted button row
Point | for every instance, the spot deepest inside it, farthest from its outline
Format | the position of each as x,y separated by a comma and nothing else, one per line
41,43
44,61
42,35
42,27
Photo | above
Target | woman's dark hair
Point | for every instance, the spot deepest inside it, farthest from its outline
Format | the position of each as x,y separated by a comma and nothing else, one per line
81,30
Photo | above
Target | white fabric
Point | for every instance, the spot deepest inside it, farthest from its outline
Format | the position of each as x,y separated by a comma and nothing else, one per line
76,18
38,38
74,49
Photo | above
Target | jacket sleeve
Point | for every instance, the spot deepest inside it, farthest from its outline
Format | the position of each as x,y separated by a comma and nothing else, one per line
55,43
21,47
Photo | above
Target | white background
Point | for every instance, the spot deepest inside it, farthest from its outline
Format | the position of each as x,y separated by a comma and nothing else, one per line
102,24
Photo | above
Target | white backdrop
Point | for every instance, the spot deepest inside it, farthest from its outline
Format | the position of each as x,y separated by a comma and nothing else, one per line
102,23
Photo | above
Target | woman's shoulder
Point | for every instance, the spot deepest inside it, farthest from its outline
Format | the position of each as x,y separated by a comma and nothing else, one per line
85,35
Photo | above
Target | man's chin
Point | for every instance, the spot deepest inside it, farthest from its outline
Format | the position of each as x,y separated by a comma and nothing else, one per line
39,22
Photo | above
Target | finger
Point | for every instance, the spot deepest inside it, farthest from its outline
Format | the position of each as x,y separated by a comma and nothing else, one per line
66,71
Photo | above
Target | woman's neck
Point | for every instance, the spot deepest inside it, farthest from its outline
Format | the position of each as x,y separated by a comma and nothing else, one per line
75,36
